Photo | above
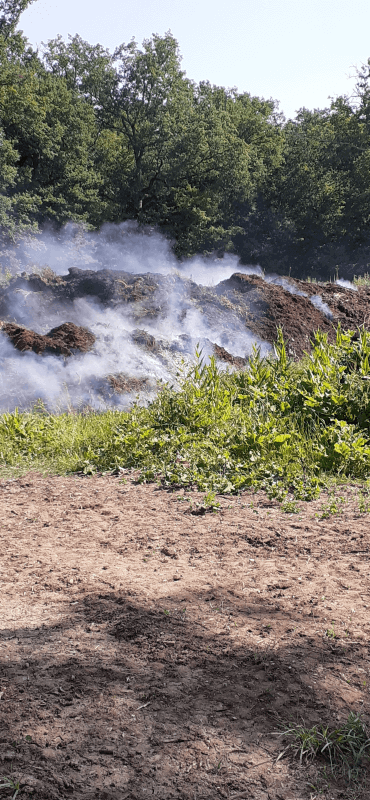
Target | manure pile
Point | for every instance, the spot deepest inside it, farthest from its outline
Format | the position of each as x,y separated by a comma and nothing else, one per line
103,337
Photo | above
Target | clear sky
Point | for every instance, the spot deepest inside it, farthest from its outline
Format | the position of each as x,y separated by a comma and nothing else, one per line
299,52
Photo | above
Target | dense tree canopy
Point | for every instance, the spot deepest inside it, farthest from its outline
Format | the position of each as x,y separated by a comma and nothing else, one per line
94,136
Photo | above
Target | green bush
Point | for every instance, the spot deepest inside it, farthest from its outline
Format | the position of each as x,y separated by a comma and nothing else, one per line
277,425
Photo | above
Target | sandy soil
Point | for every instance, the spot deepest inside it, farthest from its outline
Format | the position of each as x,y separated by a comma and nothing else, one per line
147,651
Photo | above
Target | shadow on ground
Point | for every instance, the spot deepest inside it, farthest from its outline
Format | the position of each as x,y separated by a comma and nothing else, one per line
126,699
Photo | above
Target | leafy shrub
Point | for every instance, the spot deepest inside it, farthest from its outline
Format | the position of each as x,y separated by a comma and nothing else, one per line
277,425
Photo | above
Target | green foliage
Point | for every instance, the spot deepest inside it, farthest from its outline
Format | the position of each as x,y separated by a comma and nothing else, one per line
364,501
85,69
209,500
346,747
290,507
277,425
362,280
332,507
10,11
93,136
47,154
9,783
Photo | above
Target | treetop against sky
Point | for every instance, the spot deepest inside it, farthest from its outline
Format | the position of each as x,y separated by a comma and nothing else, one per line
294,51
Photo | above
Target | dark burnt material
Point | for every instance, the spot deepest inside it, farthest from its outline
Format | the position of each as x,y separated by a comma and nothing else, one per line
60,341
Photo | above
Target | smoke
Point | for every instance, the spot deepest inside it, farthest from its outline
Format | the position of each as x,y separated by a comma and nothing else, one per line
285,283
183,317
346,284
178,328
123,247
319,303
79,380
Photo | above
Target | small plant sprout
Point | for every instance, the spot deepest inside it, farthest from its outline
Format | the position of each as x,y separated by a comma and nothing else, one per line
332,507
363,503
8,783
209,500
290,507
331,632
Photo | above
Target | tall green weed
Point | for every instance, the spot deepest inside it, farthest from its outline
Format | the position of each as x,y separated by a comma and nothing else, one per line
277,425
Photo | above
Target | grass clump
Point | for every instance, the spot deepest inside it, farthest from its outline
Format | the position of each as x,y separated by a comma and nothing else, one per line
8,783
346,747
277,425
362,280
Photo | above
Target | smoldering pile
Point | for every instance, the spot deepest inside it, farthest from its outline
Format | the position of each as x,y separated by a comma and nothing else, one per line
127,333
63,340
125,316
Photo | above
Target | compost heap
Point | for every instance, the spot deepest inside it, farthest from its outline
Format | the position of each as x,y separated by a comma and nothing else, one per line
103,337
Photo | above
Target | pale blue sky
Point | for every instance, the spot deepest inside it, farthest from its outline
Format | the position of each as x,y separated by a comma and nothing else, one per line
297,51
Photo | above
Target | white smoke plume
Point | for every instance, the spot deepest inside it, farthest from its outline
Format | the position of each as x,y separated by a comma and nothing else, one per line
116,247
82,379
319,303
346,284
278,280
75,381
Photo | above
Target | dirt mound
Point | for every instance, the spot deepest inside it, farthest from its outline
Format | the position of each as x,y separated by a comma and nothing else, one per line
124,384
299,308
107,286
74,336
147,341
223,355
238,309
274,307
143,339
60,341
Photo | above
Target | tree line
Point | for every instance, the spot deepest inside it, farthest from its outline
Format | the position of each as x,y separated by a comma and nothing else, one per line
93,136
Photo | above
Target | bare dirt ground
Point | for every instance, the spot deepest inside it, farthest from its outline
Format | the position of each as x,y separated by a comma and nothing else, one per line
147,651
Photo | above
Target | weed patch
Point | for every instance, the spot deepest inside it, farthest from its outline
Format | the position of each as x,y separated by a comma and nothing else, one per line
362,280
346,747
277,425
